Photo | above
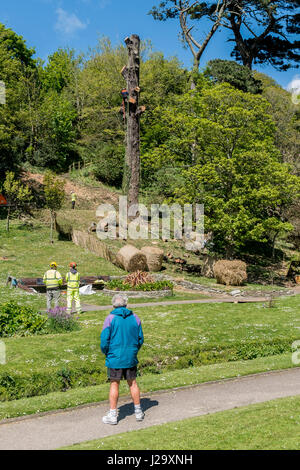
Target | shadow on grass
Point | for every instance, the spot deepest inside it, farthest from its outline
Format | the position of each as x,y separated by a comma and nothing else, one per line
128,409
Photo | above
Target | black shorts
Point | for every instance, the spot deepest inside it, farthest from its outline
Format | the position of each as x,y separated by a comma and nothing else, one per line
119,374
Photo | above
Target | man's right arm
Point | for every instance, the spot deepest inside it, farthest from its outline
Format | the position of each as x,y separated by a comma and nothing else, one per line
105,334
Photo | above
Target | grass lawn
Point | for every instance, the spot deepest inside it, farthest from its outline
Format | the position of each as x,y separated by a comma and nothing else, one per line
102,299
30,252
265,426
176,337
148,383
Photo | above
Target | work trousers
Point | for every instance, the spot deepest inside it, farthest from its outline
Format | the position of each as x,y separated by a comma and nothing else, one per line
73,294
52,295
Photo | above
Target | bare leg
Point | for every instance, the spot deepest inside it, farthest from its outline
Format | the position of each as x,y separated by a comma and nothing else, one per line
114,394
134,391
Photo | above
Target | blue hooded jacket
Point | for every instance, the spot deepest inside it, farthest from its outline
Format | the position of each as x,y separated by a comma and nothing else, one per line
121,338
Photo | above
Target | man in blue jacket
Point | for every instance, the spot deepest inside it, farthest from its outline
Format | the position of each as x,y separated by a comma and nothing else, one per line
121,339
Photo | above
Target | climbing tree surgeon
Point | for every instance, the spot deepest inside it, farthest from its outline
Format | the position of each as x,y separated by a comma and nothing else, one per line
131,73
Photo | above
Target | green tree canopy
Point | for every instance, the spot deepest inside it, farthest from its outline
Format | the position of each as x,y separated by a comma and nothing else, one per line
220,142
18,196
262,31
16,63
231,72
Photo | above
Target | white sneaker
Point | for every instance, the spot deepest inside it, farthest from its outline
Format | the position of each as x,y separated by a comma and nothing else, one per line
110,418
139,415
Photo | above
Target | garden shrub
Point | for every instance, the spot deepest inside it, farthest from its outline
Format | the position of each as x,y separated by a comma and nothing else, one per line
119,285
20,320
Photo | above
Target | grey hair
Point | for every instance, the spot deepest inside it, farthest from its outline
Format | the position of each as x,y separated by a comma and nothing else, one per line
119,300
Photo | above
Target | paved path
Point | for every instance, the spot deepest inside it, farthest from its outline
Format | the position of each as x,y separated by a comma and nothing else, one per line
63,428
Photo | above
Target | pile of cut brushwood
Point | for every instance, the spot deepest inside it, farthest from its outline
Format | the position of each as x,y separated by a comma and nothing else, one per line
138,281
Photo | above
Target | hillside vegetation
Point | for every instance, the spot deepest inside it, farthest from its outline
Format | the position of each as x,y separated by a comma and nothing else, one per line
231,143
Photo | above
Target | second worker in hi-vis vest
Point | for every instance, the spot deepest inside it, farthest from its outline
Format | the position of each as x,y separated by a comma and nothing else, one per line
73,282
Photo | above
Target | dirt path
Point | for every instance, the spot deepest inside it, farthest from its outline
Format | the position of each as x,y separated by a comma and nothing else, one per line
64,428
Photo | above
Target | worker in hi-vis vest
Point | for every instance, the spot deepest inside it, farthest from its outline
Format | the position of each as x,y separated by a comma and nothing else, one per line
73,282
73,196
53,280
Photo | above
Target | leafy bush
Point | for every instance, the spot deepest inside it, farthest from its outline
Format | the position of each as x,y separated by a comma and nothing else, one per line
59,320
20,320
119,285
108,164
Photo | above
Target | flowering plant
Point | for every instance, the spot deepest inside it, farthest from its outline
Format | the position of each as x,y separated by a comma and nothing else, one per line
60,319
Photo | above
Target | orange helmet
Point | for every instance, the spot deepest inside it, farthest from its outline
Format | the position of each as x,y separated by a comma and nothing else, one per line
73,265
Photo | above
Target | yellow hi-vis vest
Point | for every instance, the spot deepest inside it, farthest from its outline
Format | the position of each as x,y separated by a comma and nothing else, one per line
73,280
73,197
52,279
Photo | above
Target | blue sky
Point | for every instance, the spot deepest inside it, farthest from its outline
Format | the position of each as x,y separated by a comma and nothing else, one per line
49,24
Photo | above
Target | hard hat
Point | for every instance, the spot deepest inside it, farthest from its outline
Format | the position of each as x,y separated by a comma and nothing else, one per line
53,263
73,265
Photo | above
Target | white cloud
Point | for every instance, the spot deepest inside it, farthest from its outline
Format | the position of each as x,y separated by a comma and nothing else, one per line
68,23
294,88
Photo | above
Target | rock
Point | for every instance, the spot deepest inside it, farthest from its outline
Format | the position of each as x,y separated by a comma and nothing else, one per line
193,246
235,292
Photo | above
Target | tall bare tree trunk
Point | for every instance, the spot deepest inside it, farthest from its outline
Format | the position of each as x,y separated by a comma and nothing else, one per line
131,73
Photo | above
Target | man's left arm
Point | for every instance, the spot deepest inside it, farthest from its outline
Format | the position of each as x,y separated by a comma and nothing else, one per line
59,278
140,332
